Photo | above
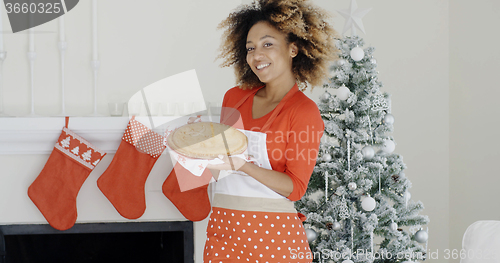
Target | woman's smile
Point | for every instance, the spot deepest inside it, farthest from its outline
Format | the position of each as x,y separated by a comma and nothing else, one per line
262,66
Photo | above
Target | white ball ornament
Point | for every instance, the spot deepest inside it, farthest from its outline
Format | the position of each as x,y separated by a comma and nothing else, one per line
368,204
388,119
343,92
388,146
311,235
336,226
325,97
393,226
326,158
368,152
352,186
347,261
421,236
357,54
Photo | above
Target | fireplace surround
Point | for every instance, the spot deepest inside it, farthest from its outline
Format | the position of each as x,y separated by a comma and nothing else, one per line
170,241
25,144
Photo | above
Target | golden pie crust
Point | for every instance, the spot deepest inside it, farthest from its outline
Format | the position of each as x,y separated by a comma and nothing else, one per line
204,140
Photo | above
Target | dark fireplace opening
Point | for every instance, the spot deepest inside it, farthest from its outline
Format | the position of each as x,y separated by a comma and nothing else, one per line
98,247
146,242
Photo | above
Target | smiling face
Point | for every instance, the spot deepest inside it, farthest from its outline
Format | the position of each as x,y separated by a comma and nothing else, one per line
269,55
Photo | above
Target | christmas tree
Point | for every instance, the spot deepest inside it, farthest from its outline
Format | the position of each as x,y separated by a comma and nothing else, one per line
357,201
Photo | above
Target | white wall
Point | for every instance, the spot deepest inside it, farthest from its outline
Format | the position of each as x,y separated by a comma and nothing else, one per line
474,121
138,45
142,43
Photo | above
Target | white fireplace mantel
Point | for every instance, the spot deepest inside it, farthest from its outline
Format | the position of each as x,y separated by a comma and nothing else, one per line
38,135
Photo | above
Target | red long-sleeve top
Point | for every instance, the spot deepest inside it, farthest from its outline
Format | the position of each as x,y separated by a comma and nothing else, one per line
292,138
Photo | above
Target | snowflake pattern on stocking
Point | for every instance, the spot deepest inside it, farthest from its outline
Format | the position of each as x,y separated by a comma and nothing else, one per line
70,140
65,142
75,150
87,155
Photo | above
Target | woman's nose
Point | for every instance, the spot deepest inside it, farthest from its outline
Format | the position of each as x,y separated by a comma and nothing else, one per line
258,54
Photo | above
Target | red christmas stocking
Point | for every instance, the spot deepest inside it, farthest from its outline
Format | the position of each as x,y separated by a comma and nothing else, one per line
124,180
55,189
194,203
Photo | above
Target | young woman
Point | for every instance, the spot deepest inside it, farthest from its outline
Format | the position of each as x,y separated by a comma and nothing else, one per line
275,46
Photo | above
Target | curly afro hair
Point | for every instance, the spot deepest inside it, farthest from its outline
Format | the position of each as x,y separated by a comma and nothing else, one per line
304,24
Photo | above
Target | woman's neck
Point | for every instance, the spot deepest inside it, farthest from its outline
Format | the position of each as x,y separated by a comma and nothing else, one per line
274,92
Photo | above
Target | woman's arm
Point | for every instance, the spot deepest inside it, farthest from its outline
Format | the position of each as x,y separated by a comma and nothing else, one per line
279,182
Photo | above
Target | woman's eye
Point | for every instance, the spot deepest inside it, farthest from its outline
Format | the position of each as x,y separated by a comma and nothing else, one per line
268,44
249,49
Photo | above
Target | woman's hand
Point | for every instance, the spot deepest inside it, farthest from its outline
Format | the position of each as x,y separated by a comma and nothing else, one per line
230,163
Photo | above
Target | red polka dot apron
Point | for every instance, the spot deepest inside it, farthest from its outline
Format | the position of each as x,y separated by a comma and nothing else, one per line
249,221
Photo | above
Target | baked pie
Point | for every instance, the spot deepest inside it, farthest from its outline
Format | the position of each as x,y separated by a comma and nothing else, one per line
204,140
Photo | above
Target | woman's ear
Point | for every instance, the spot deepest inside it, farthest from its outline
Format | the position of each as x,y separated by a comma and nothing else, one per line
294,50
